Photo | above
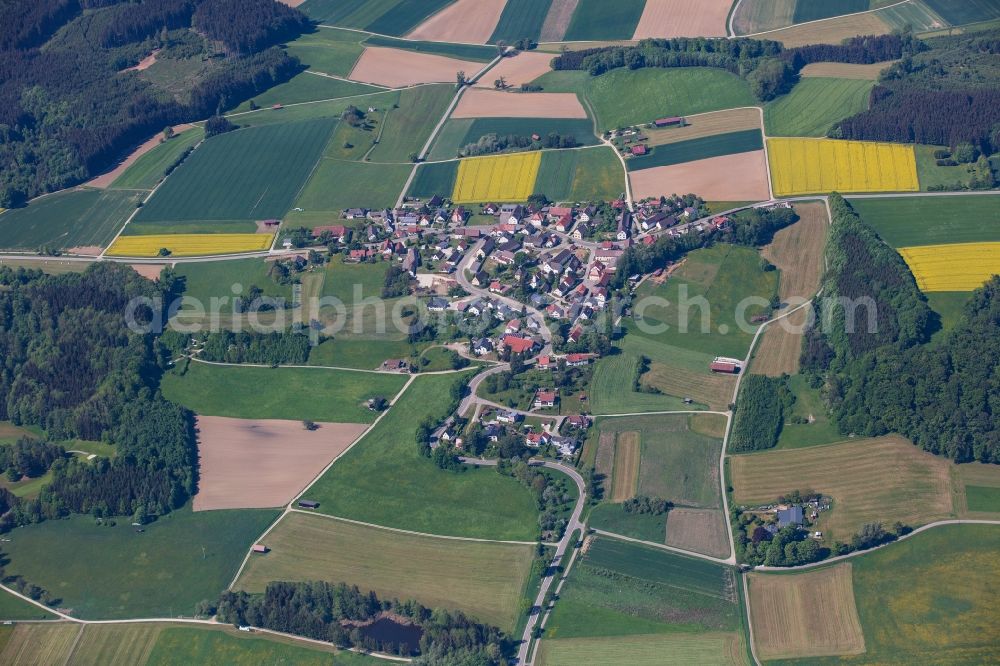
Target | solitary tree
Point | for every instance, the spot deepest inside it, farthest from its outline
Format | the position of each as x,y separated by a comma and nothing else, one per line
500,83
459,78
168,132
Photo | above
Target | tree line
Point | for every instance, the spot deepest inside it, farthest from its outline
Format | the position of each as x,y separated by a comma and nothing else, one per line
277,348
501,143
338,613
68,110
760,413
73,367
877,367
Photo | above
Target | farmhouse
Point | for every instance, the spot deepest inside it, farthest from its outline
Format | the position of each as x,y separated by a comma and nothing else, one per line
518,345
545,398
336,231
790,516
639,150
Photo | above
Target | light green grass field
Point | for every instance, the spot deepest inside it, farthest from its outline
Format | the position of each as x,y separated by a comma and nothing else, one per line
814,105
336,185
809,405
104,572
722,275
311,110
148,170
677,649
929,174
13,608
308,87
611,517
909,221
205,280
599,19
383,479
439,573
189,645
249,174
328,50
408,127
361,353
612,389
280,393
72,218
929,599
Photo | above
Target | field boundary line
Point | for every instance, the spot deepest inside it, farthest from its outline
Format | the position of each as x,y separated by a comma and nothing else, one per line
858,553
746,602
686,411
731,561
347,80
829,18
400,530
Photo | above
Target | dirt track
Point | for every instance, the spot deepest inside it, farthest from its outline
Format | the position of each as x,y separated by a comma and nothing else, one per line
740,177
248,463
105,179
465,21
683,18
397,68
479,103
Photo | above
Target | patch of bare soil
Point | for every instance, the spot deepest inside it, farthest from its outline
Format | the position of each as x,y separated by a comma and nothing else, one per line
471,21
683,18
740,177
480,103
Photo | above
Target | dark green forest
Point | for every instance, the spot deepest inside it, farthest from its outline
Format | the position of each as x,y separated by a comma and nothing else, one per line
70,364
882,374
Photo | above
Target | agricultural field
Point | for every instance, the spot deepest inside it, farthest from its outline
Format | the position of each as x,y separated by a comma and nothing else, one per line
730,143
833,30
516,71
148,170
612,389
307,88
980,484
806,166
41,643
384,480
704,125
434,178
929,599
521,19
235,391
336,185
916,14
910,221
254,463
328,50
439,573
801,615
649,604
405,129
190,645
754,16
484,103
843,70
85,219
601,20
473,52
613,518
814,105
249,174
397,68
205,280
470,21
952,267
959,12
797,251
814,10
386,17
115,644
14,608
723,275
917,490
113,572
780,347
189,245
458,133
625,480
501,178
739,177
699,530
683,18
580,175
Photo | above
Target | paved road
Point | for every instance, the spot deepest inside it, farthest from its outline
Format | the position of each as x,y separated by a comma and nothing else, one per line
572,526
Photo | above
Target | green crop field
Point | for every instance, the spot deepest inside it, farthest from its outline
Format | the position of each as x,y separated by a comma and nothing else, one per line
102,572
115,644
983,499
675,649
291,393
204,280
676,463
601,20
384,480
611,517
14,608
909,221
306,87
957,12
813,10
620,590
580,175
814,105
699,149
459,132
929,599
918,16
521,19
73,218
666,92
723,275
250,174
225,645
473,52
407,128
336,185
387,17
148,170
439,573
434,178
328,50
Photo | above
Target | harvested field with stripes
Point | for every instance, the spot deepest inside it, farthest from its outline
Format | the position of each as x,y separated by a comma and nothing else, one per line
780,347
504,178
683,18
480,103
952,267
797,251
463,21
397,68
808,166
698,530
802,615
626,466
882,479
41,644
844,70
830,31
740,177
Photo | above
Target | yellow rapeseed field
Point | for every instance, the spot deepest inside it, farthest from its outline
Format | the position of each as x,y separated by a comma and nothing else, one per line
811,166
501,178
955,267
186,245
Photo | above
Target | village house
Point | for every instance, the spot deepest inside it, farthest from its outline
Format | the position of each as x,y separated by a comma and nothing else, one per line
517,344
564,223
337,232
437,304
545,399
482,346
582,231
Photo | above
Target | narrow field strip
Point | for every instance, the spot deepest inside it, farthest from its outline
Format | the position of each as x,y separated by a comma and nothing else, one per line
189,245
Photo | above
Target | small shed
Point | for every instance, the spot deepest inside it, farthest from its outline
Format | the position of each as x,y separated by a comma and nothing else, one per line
308,504
260,548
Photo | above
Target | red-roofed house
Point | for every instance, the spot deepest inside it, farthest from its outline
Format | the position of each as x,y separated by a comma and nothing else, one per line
565,223
544,362
575,334
545,399
639,149
517,344
576,360
337,231
724,367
